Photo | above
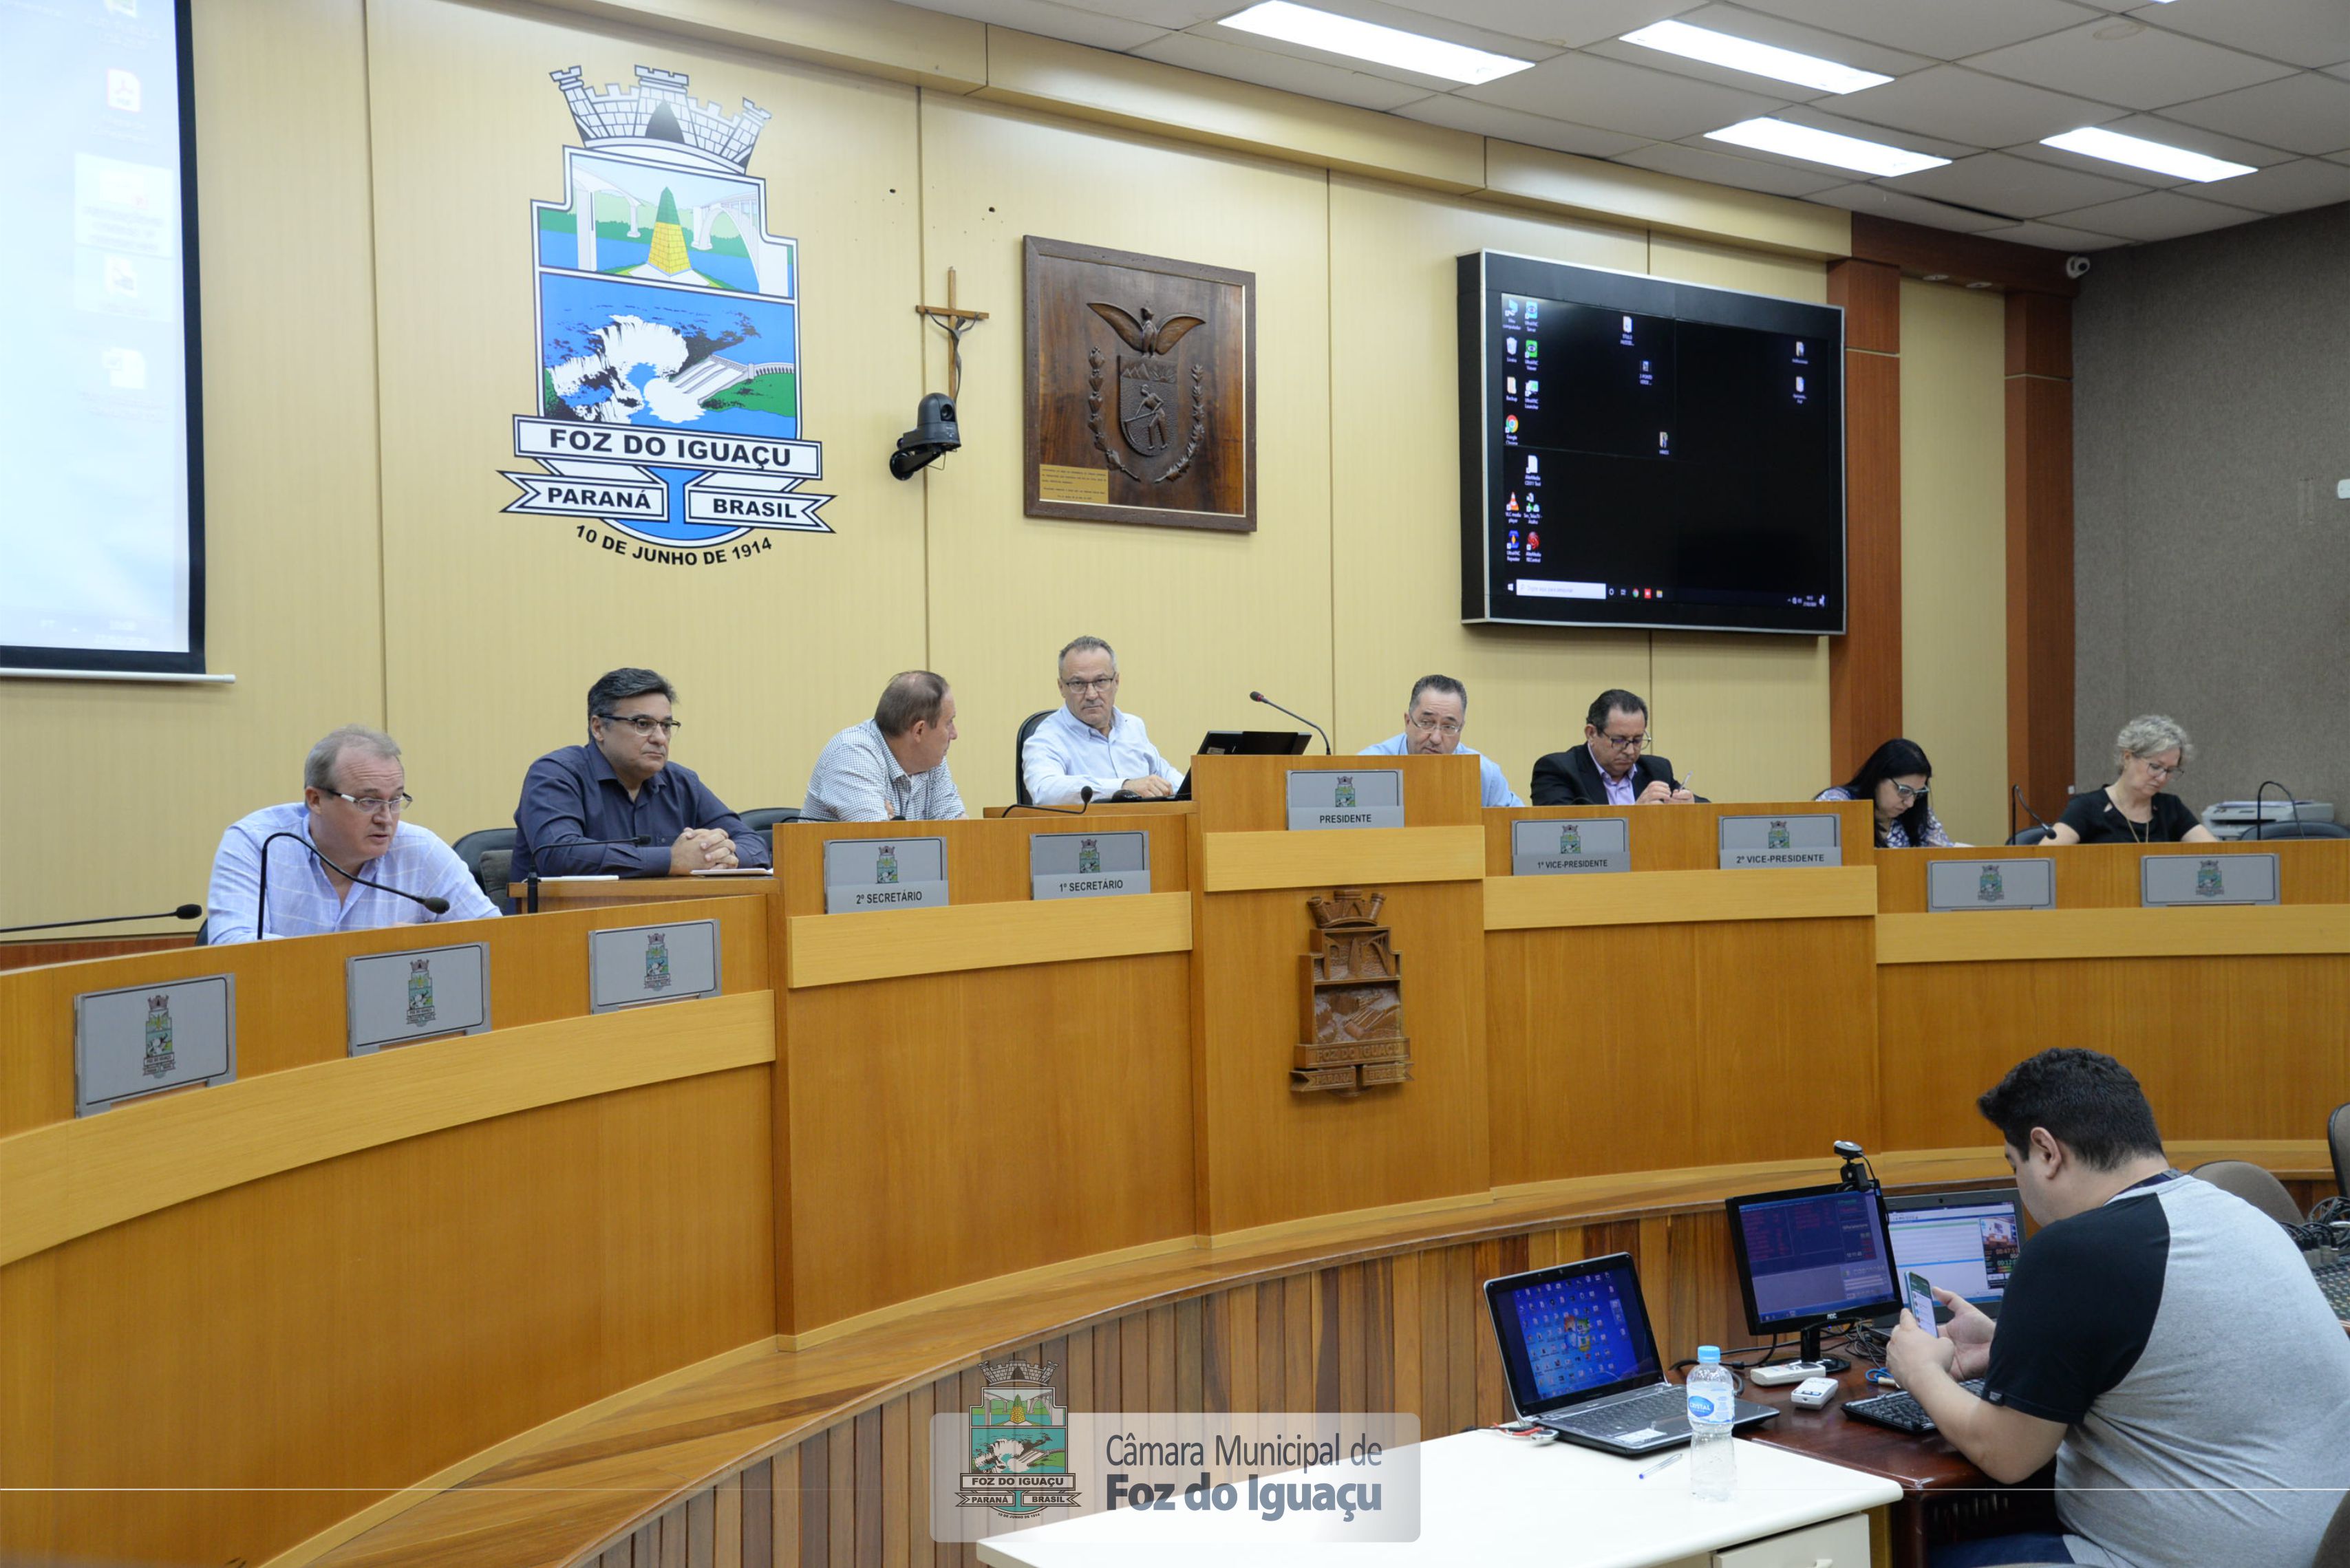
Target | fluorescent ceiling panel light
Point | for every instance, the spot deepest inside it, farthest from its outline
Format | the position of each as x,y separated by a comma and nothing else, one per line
1368,41
1746,55
1792,140
2139,153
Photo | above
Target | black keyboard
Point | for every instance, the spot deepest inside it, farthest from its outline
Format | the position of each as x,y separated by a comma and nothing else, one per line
1627,1416
2334,1280
1900,1411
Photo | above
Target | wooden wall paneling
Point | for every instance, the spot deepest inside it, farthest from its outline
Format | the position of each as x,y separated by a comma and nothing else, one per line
1865,663
1785,1002
2039,650
26,954
726,1548
758,1504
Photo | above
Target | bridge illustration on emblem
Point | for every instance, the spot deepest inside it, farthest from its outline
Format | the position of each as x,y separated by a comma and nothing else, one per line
669,393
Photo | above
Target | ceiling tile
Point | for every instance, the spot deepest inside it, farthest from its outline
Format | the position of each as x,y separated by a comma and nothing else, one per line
1514,125
1819,118
2156,215
1746,174
1171,15
2306,32
1967,105
2286,187
2012,187
1267,68
1547,21
1587,90
1878,202
1072,24
2119,60
2304,113
2050,237
1940,29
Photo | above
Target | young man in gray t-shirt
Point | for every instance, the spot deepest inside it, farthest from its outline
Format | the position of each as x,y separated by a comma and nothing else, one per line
2161,1340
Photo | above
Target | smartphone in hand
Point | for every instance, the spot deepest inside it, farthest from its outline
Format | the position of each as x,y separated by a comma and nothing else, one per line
1921,1291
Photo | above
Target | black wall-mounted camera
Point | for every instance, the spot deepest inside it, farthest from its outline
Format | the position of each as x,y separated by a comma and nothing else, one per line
935,433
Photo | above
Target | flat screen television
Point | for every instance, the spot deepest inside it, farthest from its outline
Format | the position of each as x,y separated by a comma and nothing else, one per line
1641,452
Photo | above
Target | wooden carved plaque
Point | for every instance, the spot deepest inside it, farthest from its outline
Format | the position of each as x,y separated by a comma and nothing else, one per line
1352,1000
1141,389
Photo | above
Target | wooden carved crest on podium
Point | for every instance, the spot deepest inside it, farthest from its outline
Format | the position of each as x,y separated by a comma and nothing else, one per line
1352,1000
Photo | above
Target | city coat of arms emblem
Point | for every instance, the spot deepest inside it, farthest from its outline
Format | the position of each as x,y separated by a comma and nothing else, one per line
885,865
160,1055
668,403
1090,854
1019,1443
2207,880
1570,838
657,971
1342,794
1779,838
420,1010
1991,888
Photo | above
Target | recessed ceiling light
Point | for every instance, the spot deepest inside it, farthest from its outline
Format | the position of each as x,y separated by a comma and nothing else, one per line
1368,41
1746,55
1793,141
1938,278
2139,153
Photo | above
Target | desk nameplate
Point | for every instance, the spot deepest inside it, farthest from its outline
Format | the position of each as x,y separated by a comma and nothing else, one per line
632,966
1570,847
395,997
2191,880
143,1039
1088,865
1803,838
1956,886
1366,798
862,874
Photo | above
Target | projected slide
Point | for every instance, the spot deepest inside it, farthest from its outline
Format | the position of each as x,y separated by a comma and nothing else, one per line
98,525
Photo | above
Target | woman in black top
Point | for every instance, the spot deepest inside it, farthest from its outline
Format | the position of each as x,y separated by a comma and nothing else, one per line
2150,751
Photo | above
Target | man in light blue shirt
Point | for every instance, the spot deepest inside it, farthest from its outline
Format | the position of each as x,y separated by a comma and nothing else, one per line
345,832
893,766
1087,741
1431,728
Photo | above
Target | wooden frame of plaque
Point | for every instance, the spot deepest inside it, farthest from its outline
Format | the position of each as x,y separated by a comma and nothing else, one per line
1139,401
1352,1000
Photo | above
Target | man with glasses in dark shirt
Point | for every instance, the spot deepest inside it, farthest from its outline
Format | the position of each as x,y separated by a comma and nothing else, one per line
1614,766
622,784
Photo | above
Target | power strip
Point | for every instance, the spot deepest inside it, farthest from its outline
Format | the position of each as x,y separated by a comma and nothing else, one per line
1785,1372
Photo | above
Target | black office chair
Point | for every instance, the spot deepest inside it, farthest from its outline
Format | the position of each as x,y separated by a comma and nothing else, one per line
473,846
765,817
2333,1549
1019,743
2337,1134
204,940
2029,835
2298,830
496,874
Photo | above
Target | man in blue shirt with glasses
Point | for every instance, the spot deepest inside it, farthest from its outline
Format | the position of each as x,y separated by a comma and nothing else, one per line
1432,723
622,785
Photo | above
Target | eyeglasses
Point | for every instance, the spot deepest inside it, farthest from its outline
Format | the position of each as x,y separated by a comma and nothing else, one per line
371,803
1099,683
1441,726
2171,772
1628,742
1905,793
643,725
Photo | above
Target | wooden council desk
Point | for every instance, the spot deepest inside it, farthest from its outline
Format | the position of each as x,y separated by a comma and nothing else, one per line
590,1278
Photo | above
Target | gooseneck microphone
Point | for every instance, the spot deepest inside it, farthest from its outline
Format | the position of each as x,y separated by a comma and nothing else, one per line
1327,749
433,903
2291,805
2015,792
184,912
1085,800
530,883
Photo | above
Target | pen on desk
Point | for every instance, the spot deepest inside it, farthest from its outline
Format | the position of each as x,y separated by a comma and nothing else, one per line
1667,1464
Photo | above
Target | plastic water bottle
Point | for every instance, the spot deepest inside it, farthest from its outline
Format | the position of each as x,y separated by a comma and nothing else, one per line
1713,1457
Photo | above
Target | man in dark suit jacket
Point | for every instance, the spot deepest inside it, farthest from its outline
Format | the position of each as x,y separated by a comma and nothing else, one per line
1613,753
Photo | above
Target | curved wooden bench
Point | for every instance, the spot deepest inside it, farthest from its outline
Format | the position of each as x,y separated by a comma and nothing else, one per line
817,1452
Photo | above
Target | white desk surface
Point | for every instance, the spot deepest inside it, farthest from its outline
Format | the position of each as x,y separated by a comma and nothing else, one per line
1486,1498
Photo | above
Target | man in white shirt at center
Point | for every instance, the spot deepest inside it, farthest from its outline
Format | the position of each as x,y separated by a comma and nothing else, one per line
1087,741
1432,723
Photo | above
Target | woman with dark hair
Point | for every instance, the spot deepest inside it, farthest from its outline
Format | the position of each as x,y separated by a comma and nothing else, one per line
1894,780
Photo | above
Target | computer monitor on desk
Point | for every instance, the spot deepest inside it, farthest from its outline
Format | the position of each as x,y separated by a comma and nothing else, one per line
1240,743
1811,1259
1964,1242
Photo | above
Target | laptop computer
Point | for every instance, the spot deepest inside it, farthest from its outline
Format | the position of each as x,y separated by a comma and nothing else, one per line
1235,742
1964,1242
1580,1358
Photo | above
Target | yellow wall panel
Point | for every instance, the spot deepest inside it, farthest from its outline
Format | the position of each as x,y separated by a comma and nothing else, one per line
137,780
496,625
1954,550
1394,576
1198,618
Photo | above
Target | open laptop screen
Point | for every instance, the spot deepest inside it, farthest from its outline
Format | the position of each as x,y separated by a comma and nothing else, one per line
1572,1333
1965,1242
